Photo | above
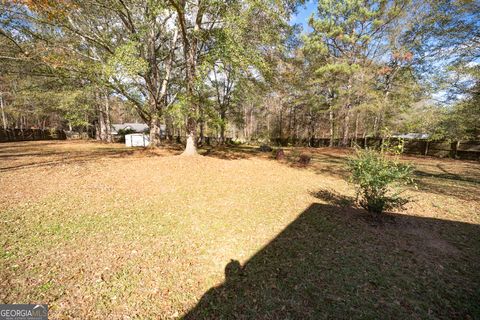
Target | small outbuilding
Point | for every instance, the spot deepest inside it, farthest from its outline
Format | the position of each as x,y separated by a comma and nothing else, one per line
129,127
137,140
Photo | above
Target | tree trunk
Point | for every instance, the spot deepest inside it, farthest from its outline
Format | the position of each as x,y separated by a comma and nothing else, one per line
332,127
191,147
354,140
380,119
108,124
190,46
202,131
154,135
268,125
375,126
346,120
245,126
102,129
280,124
169,129
222,127
310,130
346,131
97,130
253,129
4,119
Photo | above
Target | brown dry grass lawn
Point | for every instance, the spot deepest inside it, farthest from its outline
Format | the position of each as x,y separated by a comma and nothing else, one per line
99,231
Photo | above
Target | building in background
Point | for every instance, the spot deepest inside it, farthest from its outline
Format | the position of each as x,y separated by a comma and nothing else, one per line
124,128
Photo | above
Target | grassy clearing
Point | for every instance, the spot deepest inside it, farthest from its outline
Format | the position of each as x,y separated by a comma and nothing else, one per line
101,231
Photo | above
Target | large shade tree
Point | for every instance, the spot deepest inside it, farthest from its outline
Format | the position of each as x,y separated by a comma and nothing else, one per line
148,52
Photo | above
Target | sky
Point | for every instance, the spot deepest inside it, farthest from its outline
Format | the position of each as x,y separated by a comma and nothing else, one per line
303,14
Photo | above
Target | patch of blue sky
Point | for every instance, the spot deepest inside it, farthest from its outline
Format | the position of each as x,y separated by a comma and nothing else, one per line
303,14
438,64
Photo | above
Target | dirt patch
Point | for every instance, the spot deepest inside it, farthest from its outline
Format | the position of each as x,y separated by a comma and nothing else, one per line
431,240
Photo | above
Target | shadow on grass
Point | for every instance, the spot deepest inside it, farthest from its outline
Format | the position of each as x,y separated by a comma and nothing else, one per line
60,158
331,264
230,152
333,198
33,154
462,187
448,176
22,144
332,162
12,156
462,191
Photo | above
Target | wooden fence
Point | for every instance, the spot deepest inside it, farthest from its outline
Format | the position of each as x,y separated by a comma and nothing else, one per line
31,135
468,150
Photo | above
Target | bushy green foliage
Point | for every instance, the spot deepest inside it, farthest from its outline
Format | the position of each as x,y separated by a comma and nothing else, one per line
235,142
379,180
123,132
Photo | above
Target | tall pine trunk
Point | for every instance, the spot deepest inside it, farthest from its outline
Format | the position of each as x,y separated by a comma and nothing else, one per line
346,127
346,120
4,119
332,127
222,127
355,135
202,128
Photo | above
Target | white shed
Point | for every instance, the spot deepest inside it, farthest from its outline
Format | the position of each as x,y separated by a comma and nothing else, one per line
136,140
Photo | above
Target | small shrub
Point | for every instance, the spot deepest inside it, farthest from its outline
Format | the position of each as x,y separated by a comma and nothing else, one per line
279,154
379,180
304,159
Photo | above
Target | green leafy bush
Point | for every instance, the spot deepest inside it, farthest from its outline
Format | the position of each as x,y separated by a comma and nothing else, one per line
379,180
235,142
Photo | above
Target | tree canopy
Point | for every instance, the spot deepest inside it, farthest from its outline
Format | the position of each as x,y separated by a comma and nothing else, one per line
240,69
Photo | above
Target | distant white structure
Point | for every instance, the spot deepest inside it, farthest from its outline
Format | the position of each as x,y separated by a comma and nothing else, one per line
137,140
136,127
412,136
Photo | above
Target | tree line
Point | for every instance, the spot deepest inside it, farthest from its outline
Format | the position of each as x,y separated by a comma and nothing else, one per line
241,68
